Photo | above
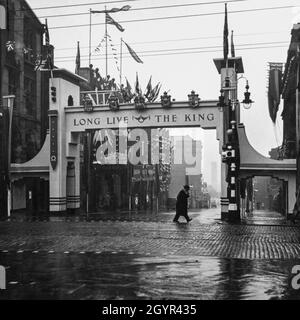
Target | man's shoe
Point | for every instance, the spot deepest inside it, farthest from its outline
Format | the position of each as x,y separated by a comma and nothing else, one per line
190,219
175,221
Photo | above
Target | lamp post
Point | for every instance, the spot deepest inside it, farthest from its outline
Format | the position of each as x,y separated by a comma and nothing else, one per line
9,110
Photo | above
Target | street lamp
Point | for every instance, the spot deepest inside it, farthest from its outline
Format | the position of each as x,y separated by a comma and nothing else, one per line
247,102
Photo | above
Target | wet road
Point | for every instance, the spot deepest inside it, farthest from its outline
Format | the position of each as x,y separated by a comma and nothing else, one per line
128,276
149,259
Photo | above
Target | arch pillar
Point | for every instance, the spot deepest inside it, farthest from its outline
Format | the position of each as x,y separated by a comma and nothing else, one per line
64,169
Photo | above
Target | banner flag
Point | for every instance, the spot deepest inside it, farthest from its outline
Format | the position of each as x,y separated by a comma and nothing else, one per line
77,59
232,46
133,53
110,20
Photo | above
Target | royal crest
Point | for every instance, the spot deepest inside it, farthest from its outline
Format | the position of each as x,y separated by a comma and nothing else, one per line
194,100
113,103
165,100
139,102
87,104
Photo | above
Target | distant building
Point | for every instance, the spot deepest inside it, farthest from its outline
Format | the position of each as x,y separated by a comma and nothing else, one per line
184,173
214,175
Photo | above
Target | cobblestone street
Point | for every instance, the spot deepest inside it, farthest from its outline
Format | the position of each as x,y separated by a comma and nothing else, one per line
149,259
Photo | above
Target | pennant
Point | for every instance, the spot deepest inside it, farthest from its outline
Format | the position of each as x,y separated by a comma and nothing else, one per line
133,54
137,85
128,86
77,59
46,32
232,46
110,20
149,88
225,36
124,8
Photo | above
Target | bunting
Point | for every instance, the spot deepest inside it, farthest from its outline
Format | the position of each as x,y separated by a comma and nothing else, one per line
133,54
110,20
99,46
114,52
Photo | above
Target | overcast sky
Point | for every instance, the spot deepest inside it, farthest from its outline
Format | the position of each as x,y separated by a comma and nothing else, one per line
261,36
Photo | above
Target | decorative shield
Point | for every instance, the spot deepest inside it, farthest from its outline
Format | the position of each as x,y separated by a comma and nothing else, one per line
87,104
139,102
194,100
165,100
113,103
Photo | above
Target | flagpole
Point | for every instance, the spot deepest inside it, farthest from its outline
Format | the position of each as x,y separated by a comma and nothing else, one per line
121,61
106,61
90,37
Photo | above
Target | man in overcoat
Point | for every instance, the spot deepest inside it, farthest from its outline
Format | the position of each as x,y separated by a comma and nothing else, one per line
182,204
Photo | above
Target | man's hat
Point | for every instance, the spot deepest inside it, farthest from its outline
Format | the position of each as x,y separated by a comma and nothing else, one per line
186,187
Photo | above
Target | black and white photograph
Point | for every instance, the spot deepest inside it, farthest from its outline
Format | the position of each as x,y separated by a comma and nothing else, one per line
149,151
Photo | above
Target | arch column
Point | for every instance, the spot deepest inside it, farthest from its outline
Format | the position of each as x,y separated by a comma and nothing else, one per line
64,169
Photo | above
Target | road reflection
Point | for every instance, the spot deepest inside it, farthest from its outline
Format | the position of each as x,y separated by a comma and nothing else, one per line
122,275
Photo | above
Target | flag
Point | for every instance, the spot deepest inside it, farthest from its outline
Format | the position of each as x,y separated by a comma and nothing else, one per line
137,86
46,31
133,54
232,46
149,88
275,76
77,59
156,93
128,94
110,20
225,36
124,8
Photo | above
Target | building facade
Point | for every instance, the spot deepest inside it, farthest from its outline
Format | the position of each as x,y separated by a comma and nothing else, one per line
21,47
290,94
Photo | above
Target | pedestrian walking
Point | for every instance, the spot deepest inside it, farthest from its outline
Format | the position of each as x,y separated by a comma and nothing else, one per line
182,204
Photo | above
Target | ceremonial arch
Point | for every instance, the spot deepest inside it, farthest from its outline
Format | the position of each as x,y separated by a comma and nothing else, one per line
58,162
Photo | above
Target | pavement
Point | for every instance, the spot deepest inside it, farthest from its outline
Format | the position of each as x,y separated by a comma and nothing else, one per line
147,256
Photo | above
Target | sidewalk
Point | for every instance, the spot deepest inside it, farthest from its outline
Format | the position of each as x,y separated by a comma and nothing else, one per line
200,216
